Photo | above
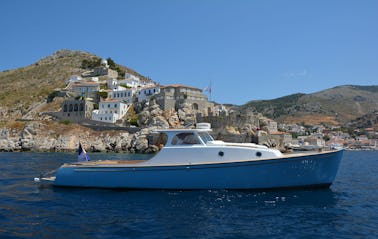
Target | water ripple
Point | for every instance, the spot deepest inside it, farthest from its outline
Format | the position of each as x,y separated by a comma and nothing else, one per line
348,210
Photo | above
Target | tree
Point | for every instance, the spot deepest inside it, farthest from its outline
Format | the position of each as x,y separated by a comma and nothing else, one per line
326,138
111,63
89,64
102,94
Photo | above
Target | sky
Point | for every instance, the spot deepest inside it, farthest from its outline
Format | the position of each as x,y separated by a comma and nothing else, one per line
246,49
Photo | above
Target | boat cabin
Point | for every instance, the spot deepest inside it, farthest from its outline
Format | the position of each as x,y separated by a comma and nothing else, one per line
184,137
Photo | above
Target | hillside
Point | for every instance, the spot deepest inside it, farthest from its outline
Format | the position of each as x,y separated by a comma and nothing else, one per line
335,106
366,121
23,88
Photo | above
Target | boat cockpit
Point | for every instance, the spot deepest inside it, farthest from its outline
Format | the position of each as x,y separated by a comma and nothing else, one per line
184,137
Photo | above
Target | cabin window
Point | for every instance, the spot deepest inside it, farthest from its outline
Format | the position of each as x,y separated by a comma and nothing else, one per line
185,139
206,137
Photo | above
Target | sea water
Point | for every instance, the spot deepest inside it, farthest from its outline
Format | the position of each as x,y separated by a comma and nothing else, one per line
349,209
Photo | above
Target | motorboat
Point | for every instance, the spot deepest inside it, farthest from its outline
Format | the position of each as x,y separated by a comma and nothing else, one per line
192,159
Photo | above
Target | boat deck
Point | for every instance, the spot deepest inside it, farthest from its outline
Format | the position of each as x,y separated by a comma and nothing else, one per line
109,162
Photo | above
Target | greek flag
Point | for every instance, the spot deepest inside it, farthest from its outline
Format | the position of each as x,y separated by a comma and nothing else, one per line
83,156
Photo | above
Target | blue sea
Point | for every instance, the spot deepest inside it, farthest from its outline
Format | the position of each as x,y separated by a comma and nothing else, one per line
349,209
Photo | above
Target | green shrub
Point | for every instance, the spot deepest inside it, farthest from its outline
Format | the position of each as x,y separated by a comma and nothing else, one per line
66,122
51,96
102,94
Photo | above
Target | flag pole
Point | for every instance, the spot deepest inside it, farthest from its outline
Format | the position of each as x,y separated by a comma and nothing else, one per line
211,89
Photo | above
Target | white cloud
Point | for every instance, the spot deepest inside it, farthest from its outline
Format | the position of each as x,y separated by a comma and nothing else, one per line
300,74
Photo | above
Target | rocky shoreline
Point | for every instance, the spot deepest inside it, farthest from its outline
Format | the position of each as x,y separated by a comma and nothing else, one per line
49,135
37,137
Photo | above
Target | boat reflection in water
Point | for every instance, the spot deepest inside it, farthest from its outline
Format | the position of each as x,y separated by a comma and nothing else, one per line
192,159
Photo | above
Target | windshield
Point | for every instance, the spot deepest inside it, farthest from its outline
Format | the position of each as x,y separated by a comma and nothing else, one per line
205,136
185,139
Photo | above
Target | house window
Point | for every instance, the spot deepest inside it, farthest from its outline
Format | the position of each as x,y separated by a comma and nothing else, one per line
115,105
65,108
70,109
108,105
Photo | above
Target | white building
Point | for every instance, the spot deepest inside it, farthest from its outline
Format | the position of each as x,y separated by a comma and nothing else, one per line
112,84
73,79
122,94
110,111
87,89
144,94
131,81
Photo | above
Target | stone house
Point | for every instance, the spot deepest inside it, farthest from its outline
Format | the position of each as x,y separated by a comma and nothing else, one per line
104,71
172,96
281,139
270,125
76,110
